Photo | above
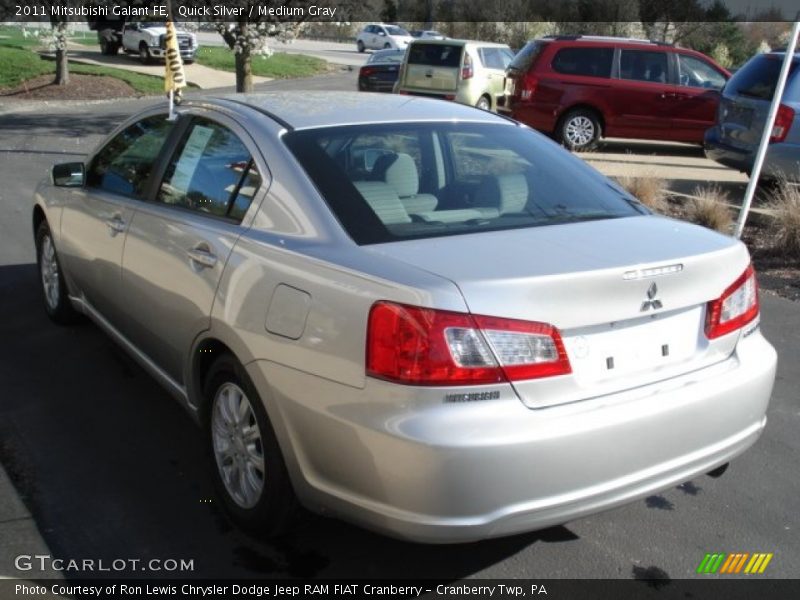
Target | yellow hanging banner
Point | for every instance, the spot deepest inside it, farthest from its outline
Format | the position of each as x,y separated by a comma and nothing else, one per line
174,78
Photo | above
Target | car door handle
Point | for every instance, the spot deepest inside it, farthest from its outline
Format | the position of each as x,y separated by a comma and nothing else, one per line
115,225
202,256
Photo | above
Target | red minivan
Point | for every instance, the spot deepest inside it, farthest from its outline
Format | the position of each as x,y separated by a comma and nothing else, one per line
582,88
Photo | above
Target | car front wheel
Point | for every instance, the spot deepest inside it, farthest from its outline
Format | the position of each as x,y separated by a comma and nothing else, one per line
54,289
579,130
249,472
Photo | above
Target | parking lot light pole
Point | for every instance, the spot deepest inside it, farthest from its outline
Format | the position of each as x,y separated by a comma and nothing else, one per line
765,135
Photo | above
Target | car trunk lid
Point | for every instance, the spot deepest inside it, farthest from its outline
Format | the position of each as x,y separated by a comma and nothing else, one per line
628,295
433,67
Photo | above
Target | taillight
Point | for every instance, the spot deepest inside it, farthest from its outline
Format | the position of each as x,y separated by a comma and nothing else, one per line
529,84
466,70
783,123
737,306
423,346
366,71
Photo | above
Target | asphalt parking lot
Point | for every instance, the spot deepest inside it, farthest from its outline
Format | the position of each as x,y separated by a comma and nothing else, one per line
111,467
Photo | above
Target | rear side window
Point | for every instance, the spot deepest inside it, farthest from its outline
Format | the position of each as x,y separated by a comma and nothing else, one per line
435,55
526,57
494,58
212,172
643,65
758,78
592,62
124,165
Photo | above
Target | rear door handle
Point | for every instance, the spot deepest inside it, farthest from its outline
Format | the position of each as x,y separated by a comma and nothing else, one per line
202,256
115,225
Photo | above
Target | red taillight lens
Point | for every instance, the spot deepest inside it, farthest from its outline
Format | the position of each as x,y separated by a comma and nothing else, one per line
466,70
528,88
366,71
737,306
423,346
783,123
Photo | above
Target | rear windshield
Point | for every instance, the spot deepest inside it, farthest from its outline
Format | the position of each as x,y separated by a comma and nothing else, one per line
435,55
758,78
525,57
389,182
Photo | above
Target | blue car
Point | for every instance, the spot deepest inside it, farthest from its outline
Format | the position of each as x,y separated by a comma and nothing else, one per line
742,113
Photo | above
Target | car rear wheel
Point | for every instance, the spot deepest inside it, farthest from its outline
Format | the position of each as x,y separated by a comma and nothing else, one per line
360,46
108,48
144,54
484,103
54,289
579,130
249,472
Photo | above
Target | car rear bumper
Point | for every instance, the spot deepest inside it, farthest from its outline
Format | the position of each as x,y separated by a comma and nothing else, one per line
782,159
403,461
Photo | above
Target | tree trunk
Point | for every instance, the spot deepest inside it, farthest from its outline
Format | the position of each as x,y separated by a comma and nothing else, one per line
62,68
244,71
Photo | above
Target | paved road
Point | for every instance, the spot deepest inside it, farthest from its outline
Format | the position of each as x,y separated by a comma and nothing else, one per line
113,468
342,54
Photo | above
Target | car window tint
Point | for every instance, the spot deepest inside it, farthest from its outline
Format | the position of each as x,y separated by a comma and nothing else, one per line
592,62
387,182
211,172
696,73
435,55
759,76
124,165
643,65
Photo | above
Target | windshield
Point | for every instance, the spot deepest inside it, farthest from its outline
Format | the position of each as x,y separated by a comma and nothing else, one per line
389,182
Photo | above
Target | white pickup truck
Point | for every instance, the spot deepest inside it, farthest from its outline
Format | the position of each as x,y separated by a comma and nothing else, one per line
145,38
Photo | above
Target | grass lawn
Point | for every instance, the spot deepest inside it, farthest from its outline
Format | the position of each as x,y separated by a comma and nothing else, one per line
18,65
278,66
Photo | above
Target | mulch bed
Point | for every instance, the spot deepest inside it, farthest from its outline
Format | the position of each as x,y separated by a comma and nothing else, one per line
80,87
776,272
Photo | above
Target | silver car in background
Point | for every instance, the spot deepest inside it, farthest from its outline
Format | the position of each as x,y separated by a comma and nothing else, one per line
742,113
417,316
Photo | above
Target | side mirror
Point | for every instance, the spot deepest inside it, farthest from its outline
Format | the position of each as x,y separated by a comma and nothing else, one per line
68,174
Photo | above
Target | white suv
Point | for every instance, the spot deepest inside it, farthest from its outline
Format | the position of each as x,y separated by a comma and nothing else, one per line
378,36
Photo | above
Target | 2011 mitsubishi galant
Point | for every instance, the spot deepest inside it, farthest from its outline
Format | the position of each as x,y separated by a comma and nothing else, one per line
418,316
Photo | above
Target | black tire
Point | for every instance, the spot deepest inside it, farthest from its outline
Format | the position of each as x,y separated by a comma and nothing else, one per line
360,46
108,48
484,103
273,513
387,46
51,279
144,54
579,130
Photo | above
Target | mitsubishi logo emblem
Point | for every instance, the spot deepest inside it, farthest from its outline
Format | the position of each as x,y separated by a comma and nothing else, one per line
651,301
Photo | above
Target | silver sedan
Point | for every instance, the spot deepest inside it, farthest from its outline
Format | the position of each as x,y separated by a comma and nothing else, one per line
417,316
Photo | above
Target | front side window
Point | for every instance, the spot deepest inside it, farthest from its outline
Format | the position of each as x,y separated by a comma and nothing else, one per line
211,172
590,62
643,65
696,73
124,165
388,182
